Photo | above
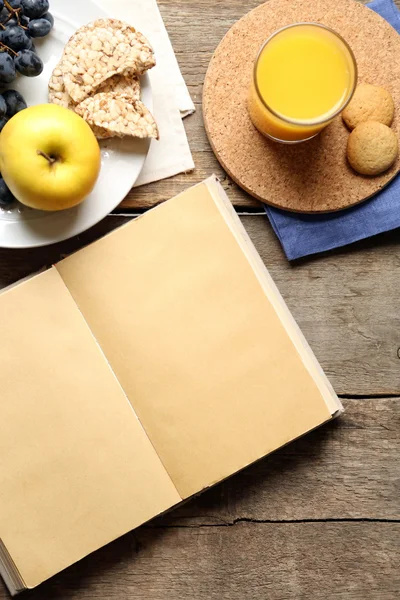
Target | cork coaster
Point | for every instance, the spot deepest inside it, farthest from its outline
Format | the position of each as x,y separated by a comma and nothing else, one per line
313,176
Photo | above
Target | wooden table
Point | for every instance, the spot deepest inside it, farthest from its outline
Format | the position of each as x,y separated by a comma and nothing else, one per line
320,519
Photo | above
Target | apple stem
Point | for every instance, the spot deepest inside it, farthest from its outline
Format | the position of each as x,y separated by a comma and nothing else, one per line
51,159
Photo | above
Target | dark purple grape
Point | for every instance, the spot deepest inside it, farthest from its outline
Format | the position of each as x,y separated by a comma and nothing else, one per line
39,28
6,197
12,22
49,17
1,5
28,63
3,107
7,68
14,3
14,102
31,45
15,38
3,122
23,20
4,14
34,9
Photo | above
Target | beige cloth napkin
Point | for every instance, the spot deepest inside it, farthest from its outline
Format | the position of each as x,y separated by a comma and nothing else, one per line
171,154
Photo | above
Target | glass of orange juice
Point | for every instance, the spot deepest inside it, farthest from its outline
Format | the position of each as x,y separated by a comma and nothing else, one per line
305,74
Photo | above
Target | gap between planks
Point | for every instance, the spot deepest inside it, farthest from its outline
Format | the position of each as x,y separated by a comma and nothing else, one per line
264,522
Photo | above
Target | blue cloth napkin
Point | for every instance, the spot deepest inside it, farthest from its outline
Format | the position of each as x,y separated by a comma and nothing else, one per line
302,235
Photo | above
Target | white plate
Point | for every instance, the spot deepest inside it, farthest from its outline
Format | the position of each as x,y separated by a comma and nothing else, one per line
122,160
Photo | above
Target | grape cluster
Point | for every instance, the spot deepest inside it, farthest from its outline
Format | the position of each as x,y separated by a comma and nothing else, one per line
21,21
11,103
6,197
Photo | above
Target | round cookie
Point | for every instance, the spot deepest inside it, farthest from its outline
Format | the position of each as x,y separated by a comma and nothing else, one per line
372,148
369,103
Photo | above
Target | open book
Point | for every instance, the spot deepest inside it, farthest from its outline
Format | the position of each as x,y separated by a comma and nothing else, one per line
137,372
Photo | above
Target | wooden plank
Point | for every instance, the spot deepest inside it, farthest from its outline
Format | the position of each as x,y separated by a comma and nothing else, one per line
350,468
206,164
264,534
196,28
346,303
347,308
346,470
239,540
188,24
257,561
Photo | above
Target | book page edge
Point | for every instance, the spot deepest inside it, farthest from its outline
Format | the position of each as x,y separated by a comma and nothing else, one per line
308,357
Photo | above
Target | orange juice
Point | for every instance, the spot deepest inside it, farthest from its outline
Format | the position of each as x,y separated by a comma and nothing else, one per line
304,75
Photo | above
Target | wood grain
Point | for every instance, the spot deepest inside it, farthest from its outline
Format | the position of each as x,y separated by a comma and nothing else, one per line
195,29
343,471
320,518
311,177
346,302
303,521
206,165
339,561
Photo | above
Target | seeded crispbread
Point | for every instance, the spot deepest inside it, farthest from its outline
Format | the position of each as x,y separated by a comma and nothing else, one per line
57,91
121,85
118,84
58,95
125,87
118,116
98,51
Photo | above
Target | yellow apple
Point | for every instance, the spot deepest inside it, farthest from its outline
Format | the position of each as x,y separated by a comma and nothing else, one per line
49,157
